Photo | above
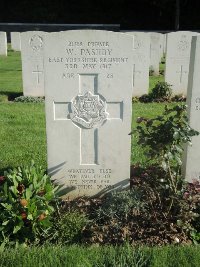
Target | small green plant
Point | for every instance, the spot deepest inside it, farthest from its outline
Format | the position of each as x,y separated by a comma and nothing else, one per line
151,71
29,99
179,98
161,72
146,98
164,137
26,195
114,221
120,205
161,91
67,227
135,99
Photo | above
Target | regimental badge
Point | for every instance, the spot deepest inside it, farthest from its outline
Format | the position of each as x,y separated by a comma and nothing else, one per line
36,42
88,110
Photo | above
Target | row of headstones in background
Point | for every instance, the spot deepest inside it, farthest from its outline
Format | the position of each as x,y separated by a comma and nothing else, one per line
176,70
16,41
177,60
32,53
146,48
148,51
156,48
141,62
3,44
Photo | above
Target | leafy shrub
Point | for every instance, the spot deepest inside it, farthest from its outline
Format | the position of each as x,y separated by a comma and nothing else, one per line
164,136
26,204
146,98
161,91
29,99
151,71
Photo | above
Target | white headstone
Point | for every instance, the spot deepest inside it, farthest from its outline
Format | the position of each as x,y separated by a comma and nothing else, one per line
161,45
155,52
191,164
141,61
177,60
32,63
88,91
15,41
164,43
3,44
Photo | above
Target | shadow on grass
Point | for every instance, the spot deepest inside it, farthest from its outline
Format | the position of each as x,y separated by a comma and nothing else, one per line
11,95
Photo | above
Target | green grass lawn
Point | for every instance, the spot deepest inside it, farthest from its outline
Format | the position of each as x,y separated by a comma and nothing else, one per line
105,256
10,75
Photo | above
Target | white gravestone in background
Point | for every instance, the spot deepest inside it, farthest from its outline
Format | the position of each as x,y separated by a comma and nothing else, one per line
191,166
177,60
3,44
141,61
88,92
155,52
32,48
164,43
15,41
161,45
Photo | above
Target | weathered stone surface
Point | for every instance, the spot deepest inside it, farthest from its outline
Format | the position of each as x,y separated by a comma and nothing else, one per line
88,91
155,53
32,44
3,44
191,166
15,41
141,61
177,60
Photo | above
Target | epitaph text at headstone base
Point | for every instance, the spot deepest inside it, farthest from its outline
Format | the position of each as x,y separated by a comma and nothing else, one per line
141,61
15,41
177,60
32,48
88,92
191,166
3,44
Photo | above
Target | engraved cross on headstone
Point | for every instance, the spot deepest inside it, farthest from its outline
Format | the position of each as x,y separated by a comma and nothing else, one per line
88,137
134,74
38,72
181,71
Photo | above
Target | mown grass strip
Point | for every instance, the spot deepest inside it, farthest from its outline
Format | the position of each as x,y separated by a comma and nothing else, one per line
77,256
